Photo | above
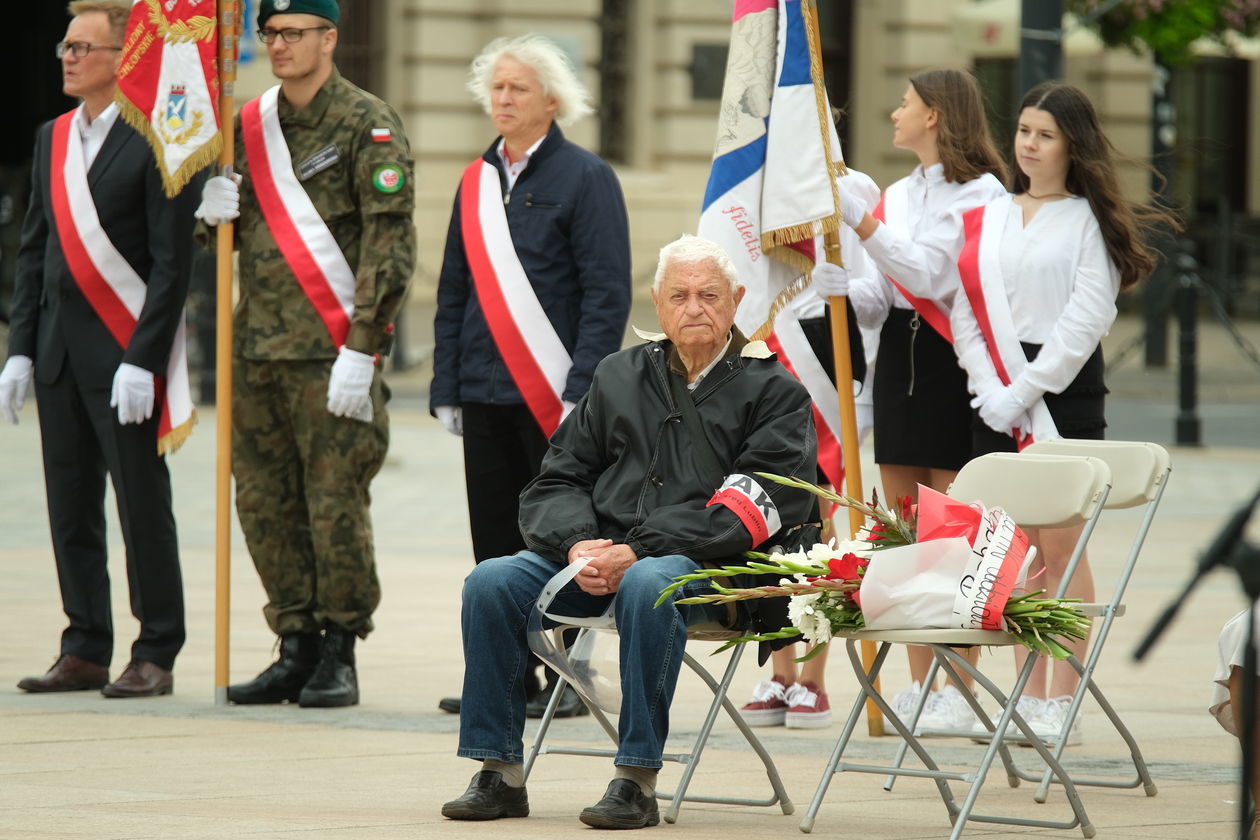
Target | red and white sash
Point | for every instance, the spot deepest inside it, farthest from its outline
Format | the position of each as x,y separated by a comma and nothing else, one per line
112,287
789,343
980,270
891,210
523,334
305,242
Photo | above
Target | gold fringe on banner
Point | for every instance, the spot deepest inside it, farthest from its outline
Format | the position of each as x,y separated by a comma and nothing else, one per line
170,442
796,287
172,182
809,13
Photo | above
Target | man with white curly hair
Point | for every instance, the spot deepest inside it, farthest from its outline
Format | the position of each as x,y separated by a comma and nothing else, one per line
534,289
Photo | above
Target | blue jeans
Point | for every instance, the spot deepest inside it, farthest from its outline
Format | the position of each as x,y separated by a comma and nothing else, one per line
498,598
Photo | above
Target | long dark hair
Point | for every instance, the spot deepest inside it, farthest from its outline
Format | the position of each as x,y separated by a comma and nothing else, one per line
1091,173
962,133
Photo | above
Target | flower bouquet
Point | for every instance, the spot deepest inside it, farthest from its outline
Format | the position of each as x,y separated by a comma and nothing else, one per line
942,565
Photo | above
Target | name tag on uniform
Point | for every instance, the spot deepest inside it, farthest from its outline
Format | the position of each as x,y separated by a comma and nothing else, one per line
318,162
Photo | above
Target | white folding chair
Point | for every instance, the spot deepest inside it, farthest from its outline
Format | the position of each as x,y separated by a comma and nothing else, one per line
707,632
1139,474
1038,491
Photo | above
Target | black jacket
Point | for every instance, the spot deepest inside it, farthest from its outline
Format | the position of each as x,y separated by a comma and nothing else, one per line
621,466
569,228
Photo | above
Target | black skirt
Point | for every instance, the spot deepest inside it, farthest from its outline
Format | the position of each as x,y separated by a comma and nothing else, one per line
922,408
818,333
1078,412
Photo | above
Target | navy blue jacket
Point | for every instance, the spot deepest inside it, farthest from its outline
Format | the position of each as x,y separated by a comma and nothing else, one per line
568,223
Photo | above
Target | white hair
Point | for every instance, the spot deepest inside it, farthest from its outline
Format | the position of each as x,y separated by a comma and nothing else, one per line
690,250
547,60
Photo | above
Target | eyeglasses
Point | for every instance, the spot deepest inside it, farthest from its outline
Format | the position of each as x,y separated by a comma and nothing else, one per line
290,36
80,48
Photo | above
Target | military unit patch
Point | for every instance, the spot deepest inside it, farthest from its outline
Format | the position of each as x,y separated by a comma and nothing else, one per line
388,178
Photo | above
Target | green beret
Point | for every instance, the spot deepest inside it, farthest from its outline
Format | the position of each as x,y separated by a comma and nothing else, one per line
324,8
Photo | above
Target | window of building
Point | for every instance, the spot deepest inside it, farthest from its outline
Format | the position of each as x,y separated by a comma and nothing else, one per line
360,34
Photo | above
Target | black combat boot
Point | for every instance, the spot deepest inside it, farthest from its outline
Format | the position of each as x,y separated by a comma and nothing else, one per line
334,682
283,681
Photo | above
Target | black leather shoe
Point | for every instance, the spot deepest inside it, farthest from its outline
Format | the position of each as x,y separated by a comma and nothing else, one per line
623,806
449,704
571,704
487,798
282,681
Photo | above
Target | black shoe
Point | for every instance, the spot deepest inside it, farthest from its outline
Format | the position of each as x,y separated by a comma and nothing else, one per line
451,704
334,682
571,704
487,798
623,806
283,680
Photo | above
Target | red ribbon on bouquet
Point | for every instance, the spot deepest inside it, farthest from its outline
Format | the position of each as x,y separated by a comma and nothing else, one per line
999,549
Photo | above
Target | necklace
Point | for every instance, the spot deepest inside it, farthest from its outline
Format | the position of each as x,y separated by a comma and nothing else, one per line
1047,195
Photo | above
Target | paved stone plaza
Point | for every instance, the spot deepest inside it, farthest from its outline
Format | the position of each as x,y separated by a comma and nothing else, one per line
81,766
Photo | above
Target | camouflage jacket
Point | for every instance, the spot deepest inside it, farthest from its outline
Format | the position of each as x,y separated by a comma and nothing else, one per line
370,216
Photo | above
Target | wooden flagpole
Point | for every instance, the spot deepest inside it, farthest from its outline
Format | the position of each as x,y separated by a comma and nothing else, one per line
844,389
228,12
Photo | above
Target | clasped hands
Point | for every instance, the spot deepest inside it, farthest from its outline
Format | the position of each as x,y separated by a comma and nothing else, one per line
607,566
1001,411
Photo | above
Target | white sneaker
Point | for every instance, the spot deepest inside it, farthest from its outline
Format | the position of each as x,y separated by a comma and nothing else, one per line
903,705
1029,708
1048,723
951,711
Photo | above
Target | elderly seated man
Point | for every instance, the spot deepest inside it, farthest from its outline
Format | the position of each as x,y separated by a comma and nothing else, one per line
625,483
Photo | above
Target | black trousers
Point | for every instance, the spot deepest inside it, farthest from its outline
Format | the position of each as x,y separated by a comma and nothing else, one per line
503,451
82,441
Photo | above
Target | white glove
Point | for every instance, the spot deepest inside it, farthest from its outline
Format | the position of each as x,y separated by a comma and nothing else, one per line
220,200
865,420
1000,411
451,417
350,385
566,408
132,394
830,280
851,207
15,381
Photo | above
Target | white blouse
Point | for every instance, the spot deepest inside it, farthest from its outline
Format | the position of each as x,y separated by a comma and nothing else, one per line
923,257
1061,286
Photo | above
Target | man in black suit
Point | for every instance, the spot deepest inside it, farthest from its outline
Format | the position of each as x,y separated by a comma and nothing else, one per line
101,373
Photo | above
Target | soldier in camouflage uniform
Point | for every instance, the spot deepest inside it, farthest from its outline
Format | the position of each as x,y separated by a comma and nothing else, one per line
308,416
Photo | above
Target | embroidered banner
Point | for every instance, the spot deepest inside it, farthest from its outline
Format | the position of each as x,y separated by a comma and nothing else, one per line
168,85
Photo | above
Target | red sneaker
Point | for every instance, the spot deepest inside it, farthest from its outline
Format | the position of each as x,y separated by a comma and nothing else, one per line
807,707
768,705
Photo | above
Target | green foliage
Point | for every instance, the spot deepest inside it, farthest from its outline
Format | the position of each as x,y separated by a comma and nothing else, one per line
1168,27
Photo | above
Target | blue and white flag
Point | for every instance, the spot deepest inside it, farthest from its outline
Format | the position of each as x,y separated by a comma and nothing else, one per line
771,189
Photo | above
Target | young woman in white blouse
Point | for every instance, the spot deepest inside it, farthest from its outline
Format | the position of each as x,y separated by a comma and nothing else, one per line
1040,270
922,416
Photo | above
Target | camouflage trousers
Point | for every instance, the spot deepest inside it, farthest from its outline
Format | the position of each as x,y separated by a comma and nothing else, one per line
302,477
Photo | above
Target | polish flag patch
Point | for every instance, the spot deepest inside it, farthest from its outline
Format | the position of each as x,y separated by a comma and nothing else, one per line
381,135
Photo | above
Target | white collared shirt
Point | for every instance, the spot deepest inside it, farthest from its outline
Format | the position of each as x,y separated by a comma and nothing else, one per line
691,386
1061,286
514,170
923,257
94,133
